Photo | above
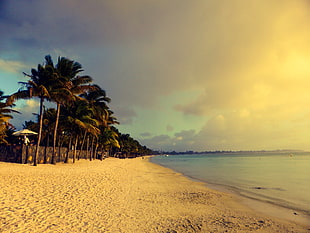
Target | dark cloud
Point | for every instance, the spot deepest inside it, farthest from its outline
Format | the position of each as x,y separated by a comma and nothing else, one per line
160,142
131,38
125,115
146,134
185,134
242,58
181,141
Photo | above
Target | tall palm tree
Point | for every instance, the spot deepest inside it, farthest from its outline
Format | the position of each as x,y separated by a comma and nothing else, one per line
70,85
49,117
41,82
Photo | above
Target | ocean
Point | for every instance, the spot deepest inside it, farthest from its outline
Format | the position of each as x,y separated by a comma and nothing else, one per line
282,179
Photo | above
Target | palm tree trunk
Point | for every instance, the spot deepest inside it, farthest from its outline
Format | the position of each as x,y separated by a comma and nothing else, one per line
92,148
68,150
61,141
96,149
75,146
101,152
59,148
82,144
36,155
45,148
55,134
87,146
109,150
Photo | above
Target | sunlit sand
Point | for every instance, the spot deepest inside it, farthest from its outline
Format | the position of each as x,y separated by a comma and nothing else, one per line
115,195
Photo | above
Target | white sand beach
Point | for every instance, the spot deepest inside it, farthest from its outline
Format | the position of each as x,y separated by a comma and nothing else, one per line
115,195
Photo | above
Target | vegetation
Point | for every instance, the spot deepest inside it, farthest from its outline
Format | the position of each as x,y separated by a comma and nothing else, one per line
82,119
5,116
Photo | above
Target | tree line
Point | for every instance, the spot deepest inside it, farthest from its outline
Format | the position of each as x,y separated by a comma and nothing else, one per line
82,118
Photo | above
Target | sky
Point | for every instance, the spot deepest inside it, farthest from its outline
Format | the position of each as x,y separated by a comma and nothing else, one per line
182,75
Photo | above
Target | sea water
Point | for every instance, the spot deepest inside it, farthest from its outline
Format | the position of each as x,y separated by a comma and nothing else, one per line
279,178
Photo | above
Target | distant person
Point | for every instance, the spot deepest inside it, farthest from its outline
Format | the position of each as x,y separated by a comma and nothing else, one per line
26,140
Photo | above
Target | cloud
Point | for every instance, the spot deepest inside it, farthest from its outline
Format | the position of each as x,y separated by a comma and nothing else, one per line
246,60
151,48
235,131
146,134
11,66
28,111
125,115
159,142
259,54
181,141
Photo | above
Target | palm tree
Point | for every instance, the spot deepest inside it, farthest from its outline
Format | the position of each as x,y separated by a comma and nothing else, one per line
48,126
5,116
108,139
41,82
70,85
79,118
111,120
98,100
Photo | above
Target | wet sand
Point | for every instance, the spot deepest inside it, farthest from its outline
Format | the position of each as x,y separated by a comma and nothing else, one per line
116,195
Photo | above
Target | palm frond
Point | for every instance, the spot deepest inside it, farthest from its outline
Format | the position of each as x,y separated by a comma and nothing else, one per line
25,94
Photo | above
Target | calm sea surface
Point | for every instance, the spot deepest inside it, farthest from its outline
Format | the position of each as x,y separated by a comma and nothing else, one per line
278,178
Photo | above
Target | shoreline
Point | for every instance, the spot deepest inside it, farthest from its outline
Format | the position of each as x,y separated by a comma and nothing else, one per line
260,206
130,195
266,207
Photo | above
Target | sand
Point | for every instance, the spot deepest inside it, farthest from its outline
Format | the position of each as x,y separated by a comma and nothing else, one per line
116,195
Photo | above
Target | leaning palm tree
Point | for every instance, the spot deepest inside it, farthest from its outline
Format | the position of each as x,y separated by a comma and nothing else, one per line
40,85
108,139
79,118
97,100
70,85
111,120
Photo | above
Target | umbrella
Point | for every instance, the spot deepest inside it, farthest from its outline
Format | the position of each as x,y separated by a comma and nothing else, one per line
24,132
